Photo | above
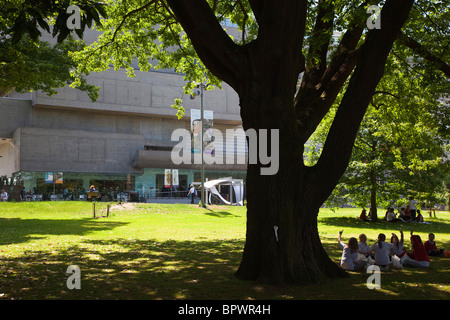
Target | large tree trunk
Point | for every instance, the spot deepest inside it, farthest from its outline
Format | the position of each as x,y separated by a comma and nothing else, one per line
282,240
293,253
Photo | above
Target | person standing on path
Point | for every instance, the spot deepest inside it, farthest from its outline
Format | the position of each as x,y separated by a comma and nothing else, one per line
412,208
192,192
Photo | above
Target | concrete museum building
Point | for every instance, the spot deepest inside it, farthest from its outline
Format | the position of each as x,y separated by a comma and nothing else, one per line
64,143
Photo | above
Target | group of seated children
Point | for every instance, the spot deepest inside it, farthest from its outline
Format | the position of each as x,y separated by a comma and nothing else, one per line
404,215
356,256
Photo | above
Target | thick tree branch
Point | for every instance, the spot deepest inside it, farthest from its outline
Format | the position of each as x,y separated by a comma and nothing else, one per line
320,87
273,61
212,44
338,146
282,29
314,99
424,53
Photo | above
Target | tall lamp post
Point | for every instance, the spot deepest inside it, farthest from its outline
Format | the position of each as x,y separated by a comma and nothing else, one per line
202,86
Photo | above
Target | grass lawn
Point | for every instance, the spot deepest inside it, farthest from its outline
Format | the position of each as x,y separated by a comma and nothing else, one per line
156,251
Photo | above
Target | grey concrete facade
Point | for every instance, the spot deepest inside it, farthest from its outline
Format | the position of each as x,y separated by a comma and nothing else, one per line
68,132
127,129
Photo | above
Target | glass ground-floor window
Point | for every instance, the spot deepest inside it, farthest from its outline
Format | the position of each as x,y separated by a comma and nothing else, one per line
47,189
37,186
164,191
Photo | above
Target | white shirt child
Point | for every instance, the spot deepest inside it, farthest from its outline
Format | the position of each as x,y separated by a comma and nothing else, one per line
4,196
398,251
363,248
348,258
382,254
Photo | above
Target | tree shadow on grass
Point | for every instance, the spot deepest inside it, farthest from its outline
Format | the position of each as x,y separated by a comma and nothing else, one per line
16,230
125,269
152,269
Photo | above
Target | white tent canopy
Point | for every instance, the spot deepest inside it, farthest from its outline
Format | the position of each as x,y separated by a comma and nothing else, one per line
238,187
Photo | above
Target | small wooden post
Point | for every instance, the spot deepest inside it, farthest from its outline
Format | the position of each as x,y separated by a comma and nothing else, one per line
93,205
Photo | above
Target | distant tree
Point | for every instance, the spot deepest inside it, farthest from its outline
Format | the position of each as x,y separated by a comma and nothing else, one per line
28,66
401,142
431,187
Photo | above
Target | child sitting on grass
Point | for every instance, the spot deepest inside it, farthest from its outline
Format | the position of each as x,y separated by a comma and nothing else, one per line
430,247
397,248
349,259
419,257
363,247
382,250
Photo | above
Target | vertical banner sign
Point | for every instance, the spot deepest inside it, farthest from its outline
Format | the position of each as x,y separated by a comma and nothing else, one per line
208,138
49,177
196,126
167,178
175,182
59,177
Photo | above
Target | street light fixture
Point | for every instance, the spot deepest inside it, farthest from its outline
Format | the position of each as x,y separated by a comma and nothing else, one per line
202,87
